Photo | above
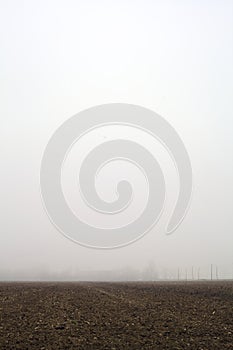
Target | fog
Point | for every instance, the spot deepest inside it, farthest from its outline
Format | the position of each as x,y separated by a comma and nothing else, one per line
61,57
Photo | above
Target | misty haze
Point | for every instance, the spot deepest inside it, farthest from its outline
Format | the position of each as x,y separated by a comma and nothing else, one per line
115,283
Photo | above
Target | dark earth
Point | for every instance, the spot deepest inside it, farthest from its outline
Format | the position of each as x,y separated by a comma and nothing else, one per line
158,315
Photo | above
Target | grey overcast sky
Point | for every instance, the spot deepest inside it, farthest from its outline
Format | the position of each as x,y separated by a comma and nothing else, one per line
60,57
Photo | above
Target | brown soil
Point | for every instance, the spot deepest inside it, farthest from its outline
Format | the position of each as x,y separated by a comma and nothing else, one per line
116,316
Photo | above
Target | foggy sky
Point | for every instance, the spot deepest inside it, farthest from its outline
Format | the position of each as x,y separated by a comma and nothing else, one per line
60,57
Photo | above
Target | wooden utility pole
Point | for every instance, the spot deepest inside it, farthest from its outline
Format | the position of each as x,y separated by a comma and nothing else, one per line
211,272
217,272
